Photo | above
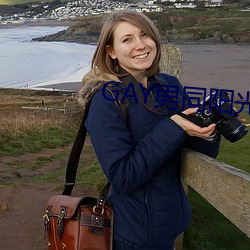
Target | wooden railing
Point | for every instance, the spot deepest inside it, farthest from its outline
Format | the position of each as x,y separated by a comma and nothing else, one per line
223,186
65,109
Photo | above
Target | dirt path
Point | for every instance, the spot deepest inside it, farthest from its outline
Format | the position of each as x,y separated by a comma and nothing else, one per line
21,224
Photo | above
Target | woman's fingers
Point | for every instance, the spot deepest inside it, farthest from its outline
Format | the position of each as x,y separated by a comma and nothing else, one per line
191,128
203,132
190,111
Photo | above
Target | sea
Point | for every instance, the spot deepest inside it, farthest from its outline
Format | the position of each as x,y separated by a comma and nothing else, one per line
27,64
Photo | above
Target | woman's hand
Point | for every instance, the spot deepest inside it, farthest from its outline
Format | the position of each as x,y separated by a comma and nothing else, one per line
191,128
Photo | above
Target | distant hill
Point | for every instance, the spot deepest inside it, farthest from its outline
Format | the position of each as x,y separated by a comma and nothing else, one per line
21,6
12,2
173,26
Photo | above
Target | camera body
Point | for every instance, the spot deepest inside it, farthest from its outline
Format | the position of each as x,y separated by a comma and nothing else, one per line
217,109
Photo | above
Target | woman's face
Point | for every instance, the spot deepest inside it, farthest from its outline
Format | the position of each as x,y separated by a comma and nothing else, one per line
134,50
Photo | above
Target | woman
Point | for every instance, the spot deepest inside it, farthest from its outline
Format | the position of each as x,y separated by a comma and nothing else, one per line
140,153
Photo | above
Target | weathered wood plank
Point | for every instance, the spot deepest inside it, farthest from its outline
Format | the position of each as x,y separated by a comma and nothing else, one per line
171,60
223,186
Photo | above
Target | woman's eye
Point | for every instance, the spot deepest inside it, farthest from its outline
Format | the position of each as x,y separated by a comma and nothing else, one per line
144,35
127,40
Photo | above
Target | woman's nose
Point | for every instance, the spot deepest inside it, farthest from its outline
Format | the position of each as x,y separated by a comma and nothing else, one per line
139,44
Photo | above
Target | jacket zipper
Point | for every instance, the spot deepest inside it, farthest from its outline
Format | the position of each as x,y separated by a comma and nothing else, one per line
149,213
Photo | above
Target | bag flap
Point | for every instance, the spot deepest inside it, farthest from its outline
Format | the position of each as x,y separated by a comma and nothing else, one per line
68,203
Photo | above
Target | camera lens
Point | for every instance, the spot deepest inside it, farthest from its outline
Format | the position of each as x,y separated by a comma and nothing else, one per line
233,130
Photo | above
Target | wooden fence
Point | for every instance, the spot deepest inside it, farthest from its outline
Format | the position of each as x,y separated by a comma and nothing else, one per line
223,186
67,109
51,109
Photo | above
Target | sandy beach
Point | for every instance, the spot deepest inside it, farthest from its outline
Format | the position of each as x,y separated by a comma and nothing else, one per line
216,66
224,66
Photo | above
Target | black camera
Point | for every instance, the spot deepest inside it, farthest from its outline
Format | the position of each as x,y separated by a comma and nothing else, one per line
217,109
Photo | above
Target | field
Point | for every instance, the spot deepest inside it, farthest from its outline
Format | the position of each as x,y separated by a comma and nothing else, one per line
24,130
34,147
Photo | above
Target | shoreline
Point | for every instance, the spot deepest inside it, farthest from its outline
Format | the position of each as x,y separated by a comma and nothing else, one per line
38,23
207,66
203,65
61,86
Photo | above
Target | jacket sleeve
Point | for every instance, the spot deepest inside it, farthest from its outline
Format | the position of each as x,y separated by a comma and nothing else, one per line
125,165
209,148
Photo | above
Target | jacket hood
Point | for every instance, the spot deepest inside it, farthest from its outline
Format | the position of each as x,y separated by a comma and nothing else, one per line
92,81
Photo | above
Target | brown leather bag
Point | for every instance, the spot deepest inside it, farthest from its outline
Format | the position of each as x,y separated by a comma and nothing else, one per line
82,223
78,223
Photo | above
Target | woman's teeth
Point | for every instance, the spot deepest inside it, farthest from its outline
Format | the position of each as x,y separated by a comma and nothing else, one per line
141,56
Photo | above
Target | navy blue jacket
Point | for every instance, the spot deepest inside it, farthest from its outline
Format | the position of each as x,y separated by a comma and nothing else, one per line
141,160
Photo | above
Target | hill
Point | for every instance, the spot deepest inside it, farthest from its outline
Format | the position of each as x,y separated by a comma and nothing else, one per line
13,2
9,7
181,26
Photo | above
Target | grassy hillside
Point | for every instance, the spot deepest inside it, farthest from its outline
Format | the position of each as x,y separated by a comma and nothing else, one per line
30,130
213,25
225,21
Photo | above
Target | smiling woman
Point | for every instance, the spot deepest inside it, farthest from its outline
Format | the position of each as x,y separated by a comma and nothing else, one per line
140,153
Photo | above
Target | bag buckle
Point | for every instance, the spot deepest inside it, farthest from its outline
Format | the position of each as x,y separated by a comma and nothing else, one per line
59,224
95,212
96,221
46,221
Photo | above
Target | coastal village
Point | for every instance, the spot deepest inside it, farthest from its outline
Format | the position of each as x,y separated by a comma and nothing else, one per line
60,11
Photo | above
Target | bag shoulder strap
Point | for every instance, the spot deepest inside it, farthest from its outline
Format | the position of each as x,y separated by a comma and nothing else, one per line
121,104
76,150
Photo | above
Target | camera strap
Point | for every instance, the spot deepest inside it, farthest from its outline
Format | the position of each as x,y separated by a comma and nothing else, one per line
151,104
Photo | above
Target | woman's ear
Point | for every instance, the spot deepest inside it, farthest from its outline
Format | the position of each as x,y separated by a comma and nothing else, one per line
110,52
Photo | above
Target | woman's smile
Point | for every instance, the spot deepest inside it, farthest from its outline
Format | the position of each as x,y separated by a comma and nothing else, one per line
142,56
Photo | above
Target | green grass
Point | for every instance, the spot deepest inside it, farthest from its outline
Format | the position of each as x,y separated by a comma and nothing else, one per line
51,176
34,142
202,24
29,131
91,172
39,162
221,13
236,154
229,24
210,230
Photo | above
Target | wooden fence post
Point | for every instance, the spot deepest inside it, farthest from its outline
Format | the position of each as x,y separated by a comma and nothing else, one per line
170,63
171,60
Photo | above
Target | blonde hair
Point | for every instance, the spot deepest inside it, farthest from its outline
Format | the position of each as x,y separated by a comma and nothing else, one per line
103,62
